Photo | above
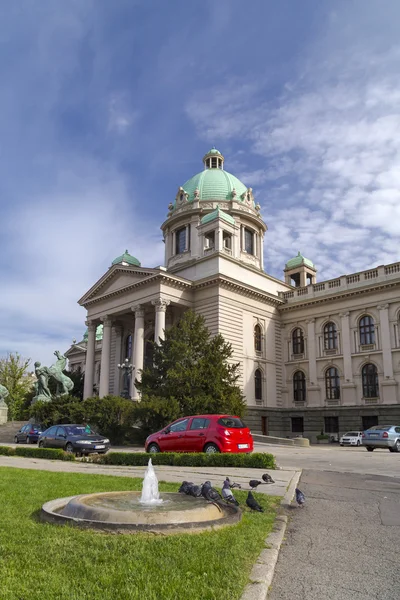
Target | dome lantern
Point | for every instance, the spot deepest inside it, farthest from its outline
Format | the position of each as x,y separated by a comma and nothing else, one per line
213,159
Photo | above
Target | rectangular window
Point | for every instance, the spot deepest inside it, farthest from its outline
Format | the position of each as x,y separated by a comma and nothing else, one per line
209,240
297,424
249,241
331,424
180,240
369,421
199,423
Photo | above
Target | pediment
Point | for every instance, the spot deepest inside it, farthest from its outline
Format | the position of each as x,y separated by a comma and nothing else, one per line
116,279
74,351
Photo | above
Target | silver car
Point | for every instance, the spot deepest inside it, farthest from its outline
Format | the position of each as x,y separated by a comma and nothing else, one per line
382,436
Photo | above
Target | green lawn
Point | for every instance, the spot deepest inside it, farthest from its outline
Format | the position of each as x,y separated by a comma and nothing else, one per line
48,562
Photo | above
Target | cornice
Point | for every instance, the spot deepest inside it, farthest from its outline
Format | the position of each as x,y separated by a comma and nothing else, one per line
242,289
159,276
287,307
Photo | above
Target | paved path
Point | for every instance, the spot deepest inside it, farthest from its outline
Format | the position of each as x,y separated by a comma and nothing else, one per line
332,457
216,475
344,544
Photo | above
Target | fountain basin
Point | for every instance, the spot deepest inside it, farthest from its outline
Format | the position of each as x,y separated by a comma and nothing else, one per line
121,512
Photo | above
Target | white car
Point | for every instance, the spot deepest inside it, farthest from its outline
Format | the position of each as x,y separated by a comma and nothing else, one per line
352,438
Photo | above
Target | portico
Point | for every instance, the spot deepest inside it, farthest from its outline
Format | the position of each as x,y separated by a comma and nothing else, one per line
129,327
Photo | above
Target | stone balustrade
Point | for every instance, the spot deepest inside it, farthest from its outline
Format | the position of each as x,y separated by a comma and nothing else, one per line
345,282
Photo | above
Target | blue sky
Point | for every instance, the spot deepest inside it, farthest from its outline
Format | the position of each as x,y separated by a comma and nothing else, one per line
107,107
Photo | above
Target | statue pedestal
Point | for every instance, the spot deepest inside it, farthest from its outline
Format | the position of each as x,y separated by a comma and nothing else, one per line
3,413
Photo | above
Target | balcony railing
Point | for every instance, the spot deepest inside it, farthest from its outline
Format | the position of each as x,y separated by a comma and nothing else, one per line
345,282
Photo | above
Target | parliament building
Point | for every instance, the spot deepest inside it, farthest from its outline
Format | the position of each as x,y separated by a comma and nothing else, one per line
315,356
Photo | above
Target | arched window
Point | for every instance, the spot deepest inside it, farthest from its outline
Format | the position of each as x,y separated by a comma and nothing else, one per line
257,338
332,384
299,387
149,351
128,346
367,330
370,381
330,336
258,384
298,341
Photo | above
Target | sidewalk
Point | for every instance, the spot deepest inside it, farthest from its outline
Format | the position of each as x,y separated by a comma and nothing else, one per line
216,475
343,545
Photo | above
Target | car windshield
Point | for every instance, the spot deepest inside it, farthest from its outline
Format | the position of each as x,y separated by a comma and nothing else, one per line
231,422
79,430
351,434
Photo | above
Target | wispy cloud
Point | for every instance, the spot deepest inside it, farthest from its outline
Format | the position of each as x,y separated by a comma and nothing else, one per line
329,148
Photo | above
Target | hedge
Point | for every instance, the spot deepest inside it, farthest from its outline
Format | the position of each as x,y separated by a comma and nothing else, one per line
257,460
49,453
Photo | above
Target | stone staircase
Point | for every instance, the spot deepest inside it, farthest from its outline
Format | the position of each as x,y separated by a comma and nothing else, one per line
8,431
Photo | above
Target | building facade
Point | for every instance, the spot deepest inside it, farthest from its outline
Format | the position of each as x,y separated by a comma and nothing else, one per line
314,357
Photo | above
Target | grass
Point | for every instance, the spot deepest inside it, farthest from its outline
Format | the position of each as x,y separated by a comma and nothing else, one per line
48,562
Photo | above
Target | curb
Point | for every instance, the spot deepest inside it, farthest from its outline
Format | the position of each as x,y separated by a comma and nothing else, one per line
263,570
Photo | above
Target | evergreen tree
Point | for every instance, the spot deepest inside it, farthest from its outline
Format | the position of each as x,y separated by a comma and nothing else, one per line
191,370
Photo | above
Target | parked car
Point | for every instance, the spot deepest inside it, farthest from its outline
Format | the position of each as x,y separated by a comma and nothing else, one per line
352,438
382,436
78,439
28,433
202,433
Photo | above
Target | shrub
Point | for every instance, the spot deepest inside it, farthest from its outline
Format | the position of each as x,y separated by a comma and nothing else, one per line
322,436
175,459
49,453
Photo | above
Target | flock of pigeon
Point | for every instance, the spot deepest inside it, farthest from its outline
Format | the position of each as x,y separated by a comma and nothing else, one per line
212,495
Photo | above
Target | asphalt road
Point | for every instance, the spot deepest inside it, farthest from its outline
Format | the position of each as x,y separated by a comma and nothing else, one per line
344,544
332,457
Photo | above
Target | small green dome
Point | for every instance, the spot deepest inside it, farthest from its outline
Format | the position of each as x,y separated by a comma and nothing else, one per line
298,261
99,334
213,151
126,259
217,214
214,184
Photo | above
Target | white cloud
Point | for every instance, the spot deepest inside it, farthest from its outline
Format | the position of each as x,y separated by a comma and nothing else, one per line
329,149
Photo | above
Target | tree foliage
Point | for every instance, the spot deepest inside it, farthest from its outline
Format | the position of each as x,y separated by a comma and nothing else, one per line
14,375
190,374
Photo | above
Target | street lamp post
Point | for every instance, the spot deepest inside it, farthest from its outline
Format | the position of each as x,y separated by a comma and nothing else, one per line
126,368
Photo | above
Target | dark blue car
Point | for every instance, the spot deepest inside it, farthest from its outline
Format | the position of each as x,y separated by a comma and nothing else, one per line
28,434
77,439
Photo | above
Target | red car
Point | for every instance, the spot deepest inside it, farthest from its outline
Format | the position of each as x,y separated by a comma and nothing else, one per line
202,433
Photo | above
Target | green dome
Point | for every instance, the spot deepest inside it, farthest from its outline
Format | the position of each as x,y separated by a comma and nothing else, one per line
213,151
214,184
298,261
99,334
126,259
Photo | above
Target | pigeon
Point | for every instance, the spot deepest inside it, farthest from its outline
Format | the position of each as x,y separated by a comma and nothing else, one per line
267,478
233,485
227,494
185,487
254,483
252,503
209,493
195,491
300,498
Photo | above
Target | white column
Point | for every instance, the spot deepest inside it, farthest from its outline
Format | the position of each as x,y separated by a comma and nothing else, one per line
89,367
219,244
138,348
385,340
312,362
161,308
118,355
262,250
105,358
346,347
